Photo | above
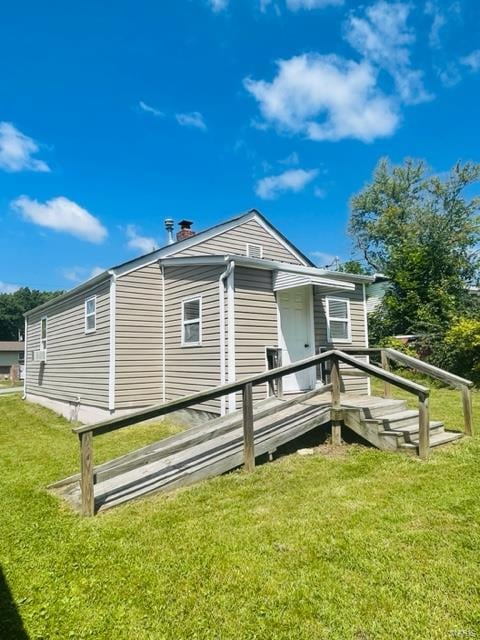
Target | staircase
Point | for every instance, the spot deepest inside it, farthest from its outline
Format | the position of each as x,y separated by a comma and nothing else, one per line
390,425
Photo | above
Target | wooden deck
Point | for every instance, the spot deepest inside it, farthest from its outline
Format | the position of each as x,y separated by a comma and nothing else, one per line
217,446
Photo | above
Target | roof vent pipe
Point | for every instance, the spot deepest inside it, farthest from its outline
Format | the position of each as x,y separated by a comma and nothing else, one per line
169,226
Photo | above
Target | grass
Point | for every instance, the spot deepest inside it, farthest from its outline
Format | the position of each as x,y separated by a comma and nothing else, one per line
8,383
361,546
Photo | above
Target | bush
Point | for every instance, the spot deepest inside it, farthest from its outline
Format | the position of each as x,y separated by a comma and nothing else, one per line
463,344
398,345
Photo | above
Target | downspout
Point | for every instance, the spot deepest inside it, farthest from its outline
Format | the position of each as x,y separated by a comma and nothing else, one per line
162,271
112,356
25,358
221,299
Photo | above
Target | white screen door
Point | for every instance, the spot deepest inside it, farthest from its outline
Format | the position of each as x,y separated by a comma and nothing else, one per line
296,336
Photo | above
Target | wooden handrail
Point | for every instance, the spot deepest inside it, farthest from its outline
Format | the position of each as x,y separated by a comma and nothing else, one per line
407,385
245,385
158,410
429,369
446,377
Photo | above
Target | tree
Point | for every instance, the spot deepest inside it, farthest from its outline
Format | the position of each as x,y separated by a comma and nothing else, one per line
421,231
14,305
354,266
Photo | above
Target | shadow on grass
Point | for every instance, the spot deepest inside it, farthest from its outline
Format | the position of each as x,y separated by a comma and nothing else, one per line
11,624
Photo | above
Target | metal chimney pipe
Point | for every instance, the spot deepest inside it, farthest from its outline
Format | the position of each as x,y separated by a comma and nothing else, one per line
169,226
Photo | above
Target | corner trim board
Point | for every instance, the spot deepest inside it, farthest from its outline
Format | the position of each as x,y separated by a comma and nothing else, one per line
112,360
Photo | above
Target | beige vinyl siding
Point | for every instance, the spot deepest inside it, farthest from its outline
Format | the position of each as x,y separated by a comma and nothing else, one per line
138,338
359,334
195,368
255,323
234,241
77,363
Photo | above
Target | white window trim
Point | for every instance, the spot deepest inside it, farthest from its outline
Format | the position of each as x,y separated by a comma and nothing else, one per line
94,314
43,347
253,244
184,322
348,320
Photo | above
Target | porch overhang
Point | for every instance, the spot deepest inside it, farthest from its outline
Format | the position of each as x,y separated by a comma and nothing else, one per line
287,280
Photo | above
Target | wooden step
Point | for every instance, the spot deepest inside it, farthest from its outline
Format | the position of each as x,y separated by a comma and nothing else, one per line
437,440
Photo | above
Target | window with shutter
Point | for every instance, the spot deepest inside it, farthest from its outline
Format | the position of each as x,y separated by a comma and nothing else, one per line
338,320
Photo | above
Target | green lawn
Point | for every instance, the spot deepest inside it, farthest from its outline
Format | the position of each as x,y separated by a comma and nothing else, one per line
358,545
6,384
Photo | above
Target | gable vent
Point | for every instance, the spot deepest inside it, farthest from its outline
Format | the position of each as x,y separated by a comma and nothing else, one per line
254,250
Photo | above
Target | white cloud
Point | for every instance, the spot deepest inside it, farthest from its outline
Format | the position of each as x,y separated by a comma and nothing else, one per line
61,214
319,193
291,160
148,109
80,274
325,98
6,287
322,258
472,61
450,75
296,5
17,149
218,5
438,22
294,180
138,242
384,39
192,119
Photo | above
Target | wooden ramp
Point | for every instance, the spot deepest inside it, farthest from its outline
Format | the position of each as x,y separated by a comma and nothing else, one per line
219,445
202,452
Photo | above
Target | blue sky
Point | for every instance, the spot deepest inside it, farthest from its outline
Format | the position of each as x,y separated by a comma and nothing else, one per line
114,116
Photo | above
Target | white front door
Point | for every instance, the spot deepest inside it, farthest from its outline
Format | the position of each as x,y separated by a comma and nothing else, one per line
296,335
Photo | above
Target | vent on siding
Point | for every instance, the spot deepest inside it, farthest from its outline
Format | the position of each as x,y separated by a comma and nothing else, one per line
254,250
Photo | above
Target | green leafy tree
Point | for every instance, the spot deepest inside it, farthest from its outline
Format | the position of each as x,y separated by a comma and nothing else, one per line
422,232
14,305
354,266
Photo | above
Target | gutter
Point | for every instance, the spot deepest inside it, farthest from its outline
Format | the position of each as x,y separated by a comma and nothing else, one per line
71,292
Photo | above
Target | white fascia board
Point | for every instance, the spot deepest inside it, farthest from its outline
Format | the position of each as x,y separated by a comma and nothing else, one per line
172,249
88,284
330,278
271,230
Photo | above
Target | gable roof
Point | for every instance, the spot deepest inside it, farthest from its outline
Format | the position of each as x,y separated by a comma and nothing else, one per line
169,251
211,232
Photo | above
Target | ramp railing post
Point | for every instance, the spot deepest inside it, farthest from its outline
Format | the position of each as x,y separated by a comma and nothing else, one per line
336,407
86,473
387,388
467,410
248,435
423,427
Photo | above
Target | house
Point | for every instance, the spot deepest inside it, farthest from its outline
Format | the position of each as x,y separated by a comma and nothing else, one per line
202,310
11,353
376,291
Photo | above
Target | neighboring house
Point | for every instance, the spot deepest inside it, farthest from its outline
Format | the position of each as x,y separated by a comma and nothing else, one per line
376,291
11,353
190,316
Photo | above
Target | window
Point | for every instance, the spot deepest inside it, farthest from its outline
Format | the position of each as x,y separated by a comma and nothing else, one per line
191,322
254,250
338,320
43,334
90,314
